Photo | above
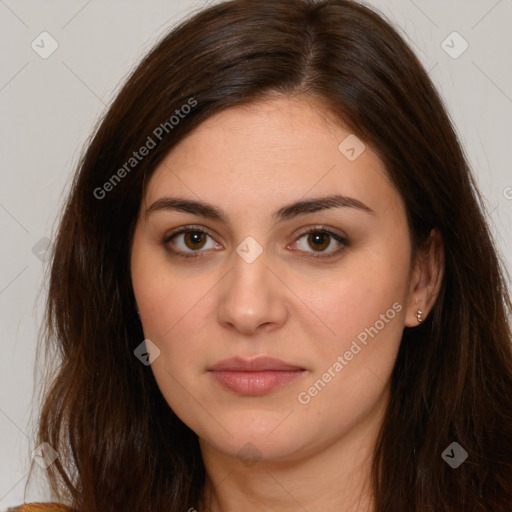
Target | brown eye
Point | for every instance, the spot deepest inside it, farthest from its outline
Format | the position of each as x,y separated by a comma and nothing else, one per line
190,241
319,241
195,239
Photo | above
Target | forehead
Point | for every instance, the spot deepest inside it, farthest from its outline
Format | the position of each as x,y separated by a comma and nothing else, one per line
268,152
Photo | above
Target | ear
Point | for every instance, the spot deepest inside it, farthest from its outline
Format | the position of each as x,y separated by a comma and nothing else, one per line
426,279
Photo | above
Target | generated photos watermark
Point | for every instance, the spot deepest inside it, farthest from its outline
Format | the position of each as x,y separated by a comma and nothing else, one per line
44,455
305,397
454,455
351,147
147,352
151,142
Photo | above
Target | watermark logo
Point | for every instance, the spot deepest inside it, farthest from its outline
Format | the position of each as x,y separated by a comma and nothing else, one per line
249,454
454,455
40,249
507,193
454,45
44,45
147,352
351,147
249,250
44,455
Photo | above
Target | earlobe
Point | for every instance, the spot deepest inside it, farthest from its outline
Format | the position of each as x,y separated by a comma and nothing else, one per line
426,280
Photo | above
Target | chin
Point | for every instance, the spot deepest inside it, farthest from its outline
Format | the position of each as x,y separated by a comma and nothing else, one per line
267,439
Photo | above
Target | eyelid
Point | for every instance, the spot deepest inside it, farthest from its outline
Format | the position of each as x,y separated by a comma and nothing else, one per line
186,229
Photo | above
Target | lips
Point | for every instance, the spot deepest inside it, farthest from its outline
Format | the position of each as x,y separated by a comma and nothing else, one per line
258,364
255,376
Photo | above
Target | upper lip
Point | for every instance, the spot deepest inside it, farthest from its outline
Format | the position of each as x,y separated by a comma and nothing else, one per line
254,365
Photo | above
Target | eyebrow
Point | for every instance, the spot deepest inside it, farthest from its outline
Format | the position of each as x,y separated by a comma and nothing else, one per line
289,211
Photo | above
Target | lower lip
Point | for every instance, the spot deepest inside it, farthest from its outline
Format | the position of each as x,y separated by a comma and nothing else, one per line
255,383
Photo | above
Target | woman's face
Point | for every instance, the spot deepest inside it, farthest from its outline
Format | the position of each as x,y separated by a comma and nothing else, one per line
248,280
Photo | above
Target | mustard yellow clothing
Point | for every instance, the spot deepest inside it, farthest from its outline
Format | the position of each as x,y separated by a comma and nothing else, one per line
40,507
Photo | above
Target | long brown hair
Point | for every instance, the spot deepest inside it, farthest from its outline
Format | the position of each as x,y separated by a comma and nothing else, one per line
121,446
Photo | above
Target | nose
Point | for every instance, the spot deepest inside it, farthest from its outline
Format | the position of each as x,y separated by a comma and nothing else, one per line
252,298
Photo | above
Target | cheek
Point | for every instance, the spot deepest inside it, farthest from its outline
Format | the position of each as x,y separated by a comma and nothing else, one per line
170,310
354,298
169,305
174,304
352,366
163,292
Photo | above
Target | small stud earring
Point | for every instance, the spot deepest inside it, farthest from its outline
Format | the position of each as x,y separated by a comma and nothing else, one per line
418,316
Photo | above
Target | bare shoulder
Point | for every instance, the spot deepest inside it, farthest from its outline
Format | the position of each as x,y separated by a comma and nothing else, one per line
40,507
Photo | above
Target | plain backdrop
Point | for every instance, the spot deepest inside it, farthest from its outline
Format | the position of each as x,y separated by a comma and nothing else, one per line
48,107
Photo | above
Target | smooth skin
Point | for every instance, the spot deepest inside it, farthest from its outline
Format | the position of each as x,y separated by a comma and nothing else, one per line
292,302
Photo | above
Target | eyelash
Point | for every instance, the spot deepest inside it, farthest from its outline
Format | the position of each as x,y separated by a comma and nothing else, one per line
198,254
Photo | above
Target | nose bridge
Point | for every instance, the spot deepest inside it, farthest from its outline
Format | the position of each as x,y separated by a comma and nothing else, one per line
250,266
249,282
251,295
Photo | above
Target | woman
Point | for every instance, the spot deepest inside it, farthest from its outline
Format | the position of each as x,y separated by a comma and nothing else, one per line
273,286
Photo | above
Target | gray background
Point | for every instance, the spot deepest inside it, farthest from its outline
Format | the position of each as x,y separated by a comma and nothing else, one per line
49,106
